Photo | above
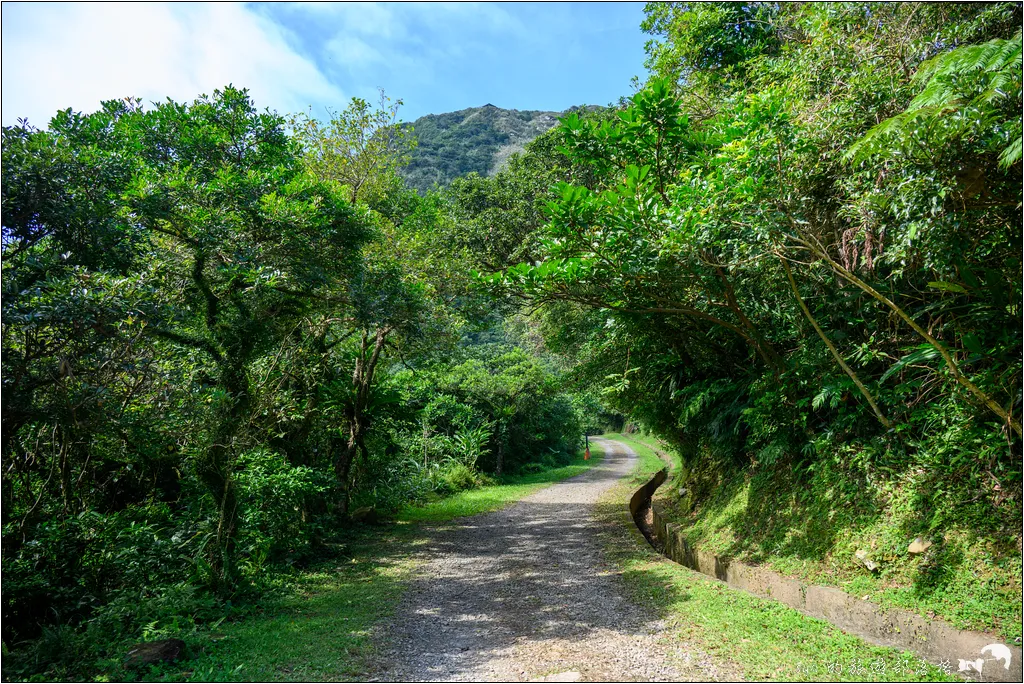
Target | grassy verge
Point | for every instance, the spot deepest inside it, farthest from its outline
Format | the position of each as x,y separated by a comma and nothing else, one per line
812,533
811,529
491,498
745,635
321,627
964,580
647,449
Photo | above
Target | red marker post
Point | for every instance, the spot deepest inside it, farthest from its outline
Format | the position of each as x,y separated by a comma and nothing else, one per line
586,453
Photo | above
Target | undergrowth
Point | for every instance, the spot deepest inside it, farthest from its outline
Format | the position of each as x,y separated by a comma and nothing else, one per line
492,497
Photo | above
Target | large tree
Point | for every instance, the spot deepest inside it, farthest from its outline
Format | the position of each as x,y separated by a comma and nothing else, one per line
226,240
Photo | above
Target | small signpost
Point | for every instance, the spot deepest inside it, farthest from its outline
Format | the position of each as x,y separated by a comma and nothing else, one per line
586,454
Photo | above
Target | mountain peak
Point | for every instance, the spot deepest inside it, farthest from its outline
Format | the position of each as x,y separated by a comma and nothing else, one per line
477,139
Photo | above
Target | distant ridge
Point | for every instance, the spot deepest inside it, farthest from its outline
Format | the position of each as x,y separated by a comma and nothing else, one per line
477,139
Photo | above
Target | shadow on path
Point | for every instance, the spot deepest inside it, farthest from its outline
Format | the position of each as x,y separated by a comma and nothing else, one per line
526,591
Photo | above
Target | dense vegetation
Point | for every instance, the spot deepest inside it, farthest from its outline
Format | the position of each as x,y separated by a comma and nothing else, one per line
794,254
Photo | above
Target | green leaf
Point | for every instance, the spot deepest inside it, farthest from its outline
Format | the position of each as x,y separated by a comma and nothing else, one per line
971,342
946,287
924,353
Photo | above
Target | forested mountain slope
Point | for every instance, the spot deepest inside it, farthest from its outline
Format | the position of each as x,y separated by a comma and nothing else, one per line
478,139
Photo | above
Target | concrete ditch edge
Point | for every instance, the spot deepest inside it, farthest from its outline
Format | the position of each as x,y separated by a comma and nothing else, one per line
932,640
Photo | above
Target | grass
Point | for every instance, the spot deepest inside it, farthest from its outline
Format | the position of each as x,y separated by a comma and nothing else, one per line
647,449
961,579
751,637
491,498
322,628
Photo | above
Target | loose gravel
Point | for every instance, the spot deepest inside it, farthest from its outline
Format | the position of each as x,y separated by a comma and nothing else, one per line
525,593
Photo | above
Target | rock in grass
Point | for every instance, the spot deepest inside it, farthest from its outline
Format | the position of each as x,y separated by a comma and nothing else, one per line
919,545
153,652
862,556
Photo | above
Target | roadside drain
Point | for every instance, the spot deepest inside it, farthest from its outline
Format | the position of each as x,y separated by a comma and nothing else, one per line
640,509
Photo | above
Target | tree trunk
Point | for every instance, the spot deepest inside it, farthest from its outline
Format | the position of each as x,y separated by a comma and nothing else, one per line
216,473
499,457
358,422
761,346
343,464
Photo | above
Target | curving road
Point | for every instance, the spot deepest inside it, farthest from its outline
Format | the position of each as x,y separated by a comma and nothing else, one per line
525,593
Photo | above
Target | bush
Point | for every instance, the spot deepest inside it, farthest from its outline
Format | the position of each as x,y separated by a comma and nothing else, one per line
531,468
455,476
64,571
274,500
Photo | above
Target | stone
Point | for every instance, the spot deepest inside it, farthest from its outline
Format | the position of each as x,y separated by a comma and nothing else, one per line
366,514
682,492
153,652
919,545
862,556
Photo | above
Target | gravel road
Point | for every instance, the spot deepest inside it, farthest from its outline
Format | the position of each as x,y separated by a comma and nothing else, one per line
525,593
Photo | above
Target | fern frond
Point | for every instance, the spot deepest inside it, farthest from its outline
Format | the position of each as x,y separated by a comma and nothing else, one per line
1012,154
951,83
999,59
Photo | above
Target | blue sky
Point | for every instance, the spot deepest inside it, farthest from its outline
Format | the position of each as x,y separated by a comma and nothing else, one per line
436,57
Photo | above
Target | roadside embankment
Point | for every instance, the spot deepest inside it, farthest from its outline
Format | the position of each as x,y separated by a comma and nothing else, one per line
976,654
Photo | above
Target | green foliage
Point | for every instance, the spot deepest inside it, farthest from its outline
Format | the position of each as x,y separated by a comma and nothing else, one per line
725,276
272,494
471,443
359,148
216,338
970,91
493,495
708,40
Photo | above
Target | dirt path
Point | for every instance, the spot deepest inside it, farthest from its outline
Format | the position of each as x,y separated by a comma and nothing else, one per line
525,593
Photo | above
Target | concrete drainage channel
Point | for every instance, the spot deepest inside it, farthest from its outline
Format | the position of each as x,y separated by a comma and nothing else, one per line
974,654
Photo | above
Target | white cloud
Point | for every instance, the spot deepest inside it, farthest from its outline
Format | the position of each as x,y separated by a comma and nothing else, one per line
435,28
352,51
76,55
367,18
416,38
